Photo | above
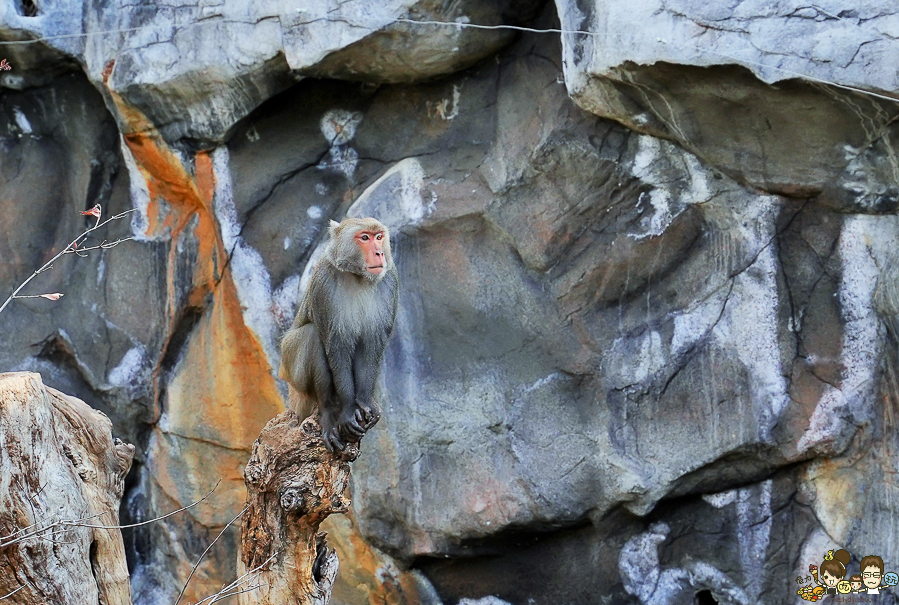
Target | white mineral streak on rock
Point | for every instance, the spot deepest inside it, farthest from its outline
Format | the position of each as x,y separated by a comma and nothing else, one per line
754,335
721,499
542,382
659,198
22,121
632,360
140,195
642,576
695,322
638,562
339,127
128,368
285,300
396,198
651,165
754,533
251,278
484,601
861,339
750,323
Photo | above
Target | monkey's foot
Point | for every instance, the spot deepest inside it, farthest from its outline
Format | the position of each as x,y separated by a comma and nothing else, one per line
367,414
331,433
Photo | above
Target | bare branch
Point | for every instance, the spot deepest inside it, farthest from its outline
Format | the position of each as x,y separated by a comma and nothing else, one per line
226,590
208,548
236,592
73,245
15,539
104,245
6,596
174,512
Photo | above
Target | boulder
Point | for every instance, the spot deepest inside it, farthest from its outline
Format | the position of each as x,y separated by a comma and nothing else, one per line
195,69
785,97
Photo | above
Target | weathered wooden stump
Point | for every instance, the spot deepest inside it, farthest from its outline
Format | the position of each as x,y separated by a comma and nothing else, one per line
61,482
293,484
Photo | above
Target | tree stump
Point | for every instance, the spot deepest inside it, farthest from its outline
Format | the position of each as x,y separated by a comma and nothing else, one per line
61,482
293,484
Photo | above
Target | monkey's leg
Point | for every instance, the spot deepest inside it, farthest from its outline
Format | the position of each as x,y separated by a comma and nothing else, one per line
298,361
340,361
320,381
366,367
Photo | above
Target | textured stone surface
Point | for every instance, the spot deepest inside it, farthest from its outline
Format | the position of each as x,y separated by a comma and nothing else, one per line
741,86
196,68
647,343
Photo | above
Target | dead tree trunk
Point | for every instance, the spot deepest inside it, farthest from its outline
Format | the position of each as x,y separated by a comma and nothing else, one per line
61,482
293,484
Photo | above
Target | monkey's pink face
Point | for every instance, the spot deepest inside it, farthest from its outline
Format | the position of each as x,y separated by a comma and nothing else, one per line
372,246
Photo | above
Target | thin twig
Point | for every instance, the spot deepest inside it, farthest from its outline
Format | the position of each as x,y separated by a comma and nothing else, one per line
104,245
233,585
14,539
208,548
6,596
175,512
73,245
235,593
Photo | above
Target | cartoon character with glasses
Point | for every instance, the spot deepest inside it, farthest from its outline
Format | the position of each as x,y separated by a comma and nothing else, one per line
872,573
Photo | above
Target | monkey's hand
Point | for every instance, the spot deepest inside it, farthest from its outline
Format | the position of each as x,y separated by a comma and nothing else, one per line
367,414
349,425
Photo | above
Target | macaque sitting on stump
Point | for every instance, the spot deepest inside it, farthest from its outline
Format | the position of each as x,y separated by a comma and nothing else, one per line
331,355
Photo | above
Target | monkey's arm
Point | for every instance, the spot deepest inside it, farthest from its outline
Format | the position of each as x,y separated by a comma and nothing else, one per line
370,352
366,367
338,421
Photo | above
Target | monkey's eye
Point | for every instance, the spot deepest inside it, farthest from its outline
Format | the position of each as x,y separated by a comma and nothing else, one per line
380,236
364,237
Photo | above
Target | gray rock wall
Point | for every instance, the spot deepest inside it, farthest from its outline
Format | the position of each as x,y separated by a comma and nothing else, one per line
647,342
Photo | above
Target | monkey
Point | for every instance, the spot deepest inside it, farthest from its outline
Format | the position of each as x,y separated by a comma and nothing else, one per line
331,355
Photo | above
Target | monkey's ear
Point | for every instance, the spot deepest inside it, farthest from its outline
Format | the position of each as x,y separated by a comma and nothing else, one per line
332,228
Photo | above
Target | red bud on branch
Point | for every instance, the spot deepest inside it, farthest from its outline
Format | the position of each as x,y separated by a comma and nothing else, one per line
95,211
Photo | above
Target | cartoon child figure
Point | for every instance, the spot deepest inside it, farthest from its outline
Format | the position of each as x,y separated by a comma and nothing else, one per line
833,569
856,583
872,572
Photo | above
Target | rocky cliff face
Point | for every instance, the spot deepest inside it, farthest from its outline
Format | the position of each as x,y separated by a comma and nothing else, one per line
647,344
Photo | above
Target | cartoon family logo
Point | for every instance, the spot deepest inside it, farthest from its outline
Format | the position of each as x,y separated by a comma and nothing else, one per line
870,580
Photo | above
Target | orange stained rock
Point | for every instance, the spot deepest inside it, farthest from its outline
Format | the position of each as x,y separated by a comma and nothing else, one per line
222,392
366,574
